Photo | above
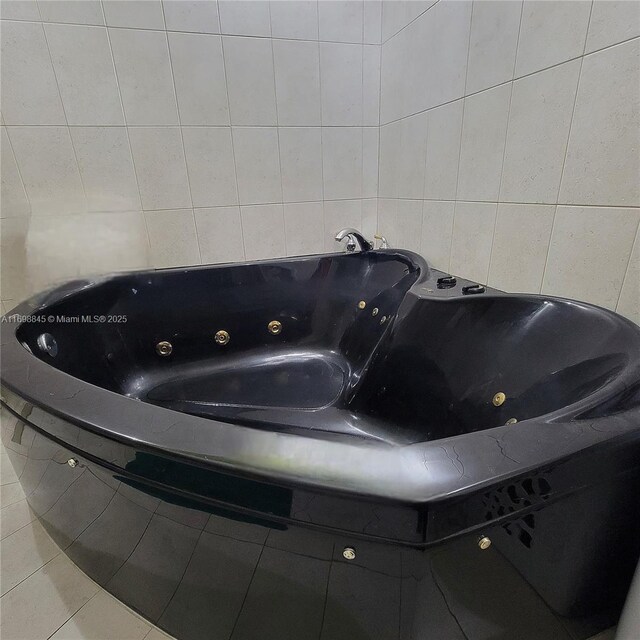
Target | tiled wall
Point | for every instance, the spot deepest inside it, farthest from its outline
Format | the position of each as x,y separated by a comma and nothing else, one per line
499,139
148,133
510,143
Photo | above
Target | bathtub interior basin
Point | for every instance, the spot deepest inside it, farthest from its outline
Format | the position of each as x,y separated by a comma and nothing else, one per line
364,345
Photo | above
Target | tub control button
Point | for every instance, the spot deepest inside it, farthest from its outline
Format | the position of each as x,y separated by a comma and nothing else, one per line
446,282
472,289
72,462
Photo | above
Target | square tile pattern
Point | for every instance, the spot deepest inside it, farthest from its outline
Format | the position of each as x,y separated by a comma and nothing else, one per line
500,139
44,595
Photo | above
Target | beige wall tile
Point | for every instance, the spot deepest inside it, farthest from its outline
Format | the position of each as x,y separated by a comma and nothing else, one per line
437,232
473,226
247,18
629,301
84,70
158,157
388,220
603,163
539,121
220,234
341,82
297,72
370,161
444,131
172,236
186,15
589,253
551,32
86,12
13,197
341,20
140,14
342,162
612,21
264,235
304,228
373,21
20,10
49,169
483,136
198,72
250,79
211,167
492,48
520,246
144,75
106,168
257,164
301,162
29,89
409,213
298,20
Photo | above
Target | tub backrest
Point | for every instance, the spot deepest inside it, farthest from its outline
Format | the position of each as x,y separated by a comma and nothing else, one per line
316,299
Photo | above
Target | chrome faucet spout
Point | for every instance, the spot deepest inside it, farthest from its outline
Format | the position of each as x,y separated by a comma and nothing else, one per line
354,237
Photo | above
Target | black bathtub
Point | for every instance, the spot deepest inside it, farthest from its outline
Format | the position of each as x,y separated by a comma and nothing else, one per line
333,447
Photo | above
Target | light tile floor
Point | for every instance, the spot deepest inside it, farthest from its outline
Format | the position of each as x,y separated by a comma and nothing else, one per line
43,594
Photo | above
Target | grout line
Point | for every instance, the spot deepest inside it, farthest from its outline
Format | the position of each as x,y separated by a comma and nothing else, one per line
546,260
408,23
381,50
275,100
495,86
464,102
564,160
195,33
233,149
504,150
184,150
66,119
324,217
627,271
196,126
15,160
126,128
350,199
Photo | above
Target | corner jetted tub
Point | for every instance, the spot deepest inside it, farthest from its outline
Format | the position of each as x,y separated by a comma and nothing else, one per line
337,447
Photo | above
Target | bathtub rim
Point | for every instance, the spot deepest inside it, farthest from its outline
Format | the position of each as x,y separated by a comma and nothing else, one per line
411,474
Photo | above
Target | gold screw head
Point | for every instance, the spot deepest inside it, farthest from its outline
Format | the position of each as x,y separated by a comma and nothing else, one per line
164,348
274,327
362,304
484,543
499,399
349,553
222,337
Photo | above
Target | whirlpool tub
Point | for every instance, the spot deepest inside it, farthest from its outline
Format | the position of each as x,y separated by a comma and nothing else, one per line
349,446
